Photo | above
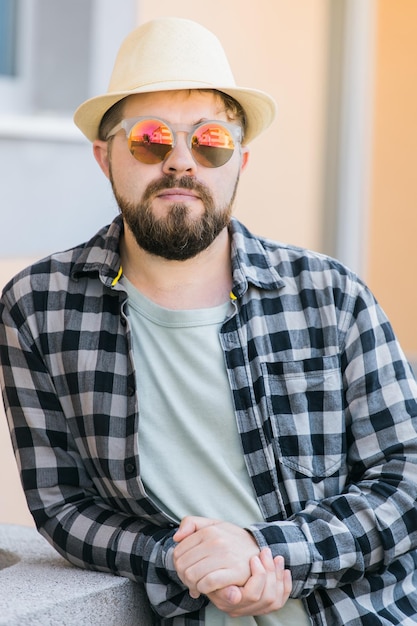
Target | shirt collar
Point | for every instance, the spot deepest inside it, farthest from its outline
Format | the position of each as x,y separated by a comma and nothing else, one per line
101,254
251,262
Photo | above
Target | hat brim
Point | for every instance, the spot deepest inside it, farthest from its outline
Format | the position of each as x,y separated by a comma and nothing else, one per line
259,107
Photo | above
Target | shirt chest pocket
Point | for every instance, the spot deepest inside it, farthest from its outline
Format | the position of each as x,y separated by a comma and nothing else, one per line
304,401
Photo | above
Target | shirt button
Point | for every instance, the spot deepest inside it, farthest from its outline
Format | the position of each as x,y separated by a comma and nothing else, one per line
130,468
130,390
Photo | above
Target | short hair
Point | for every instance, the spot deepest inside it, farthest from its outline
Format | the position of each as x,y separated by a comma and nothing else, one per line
114,115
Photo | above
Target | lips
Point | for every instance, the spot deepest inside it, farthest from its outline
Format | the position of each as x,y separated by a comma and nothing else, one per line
177,191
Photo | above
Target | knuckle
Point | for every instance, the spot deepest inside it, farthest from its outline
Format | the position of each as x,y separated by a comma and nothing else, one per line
188,577
253,596
208,584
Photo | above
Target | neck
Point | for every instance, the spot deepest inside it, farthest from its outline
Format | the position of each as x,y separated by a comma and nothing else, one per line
201,282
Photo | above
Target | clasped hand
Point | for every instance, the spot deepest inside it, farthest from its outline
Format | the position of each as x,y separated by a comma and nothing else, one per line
223,562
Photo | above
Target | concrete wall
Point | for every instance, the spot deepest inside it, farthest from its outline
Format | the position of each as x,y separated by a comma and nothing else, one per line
39,588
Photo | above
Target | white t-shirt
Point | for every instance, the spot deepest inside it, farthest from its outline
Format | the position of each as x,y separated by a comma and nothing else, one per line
191,459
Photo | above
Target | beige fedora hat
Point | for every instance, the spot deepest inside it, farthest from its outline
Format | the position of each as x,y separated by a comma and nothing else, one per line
173,53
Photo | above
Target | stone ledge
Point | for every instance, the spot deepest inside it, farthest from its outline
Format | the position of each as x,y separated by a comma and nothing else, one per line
39,588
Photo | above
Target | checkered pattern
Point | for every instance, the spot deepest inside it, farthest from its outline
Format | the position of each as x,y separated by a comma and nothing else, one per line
325,404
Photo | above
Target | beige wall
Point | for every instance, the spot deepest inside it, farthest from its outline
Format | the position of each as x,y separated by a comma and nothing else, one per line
393,225
276,46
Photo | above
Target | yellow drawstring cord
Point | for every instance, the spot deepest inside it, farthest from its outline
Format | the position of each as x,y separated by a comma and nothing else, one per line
116,280
120,272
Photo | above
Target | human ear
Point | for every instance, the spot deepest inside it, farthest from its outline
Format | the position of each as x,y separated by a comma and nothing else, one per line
244,158
101,155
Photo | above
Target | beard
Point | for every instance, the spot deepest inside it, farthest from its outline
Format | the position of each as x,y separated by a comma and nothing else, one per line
176,236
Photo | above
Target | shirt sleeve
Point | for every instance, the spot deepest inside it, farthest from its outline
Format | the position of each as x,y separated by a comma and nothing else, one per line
341,539
63,499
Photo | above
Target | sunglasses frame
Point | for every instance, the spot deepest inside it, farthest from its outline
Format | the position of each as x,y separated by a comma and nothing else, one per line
129,123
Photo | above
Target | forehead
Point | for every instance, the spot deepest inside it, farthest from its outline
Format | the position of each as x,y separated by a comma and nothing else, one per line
173,105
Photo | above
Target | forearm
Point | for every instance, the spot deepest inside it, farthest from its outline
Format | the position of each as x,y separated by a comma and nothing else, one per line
341,539
363,516
91,536
69,490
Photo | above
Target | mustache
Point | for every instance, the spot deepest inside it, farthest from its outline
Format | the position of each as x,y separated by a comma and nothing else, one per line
169,182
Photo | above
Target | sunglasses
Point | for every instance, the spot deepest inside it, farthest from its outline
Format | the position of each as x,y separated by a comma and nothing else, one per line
150,140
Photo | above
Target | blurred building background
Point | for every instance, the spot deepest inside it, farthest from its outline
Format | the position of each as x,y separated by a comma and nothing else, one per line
336,172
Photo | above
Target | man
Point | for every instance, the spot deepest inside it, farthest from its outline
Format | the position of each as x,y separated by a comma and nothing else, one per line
193,406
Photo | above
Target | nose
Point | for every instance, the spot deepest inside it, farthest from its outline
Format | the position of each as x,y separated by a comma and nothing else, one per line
180,159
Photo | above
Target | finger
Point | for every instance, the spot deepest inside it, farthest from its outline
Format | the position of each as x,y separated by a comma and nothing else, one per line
232,594
225,599
267,560
195,557
255,586
275,592
214,580
204,572
261,589
279,565
215,556
283,578
233,598
190,548
190,524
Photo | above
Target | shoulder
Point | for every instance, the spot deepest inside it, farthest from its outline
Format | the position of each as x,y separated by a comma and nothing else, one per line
57,271
288,264
62,281
42,275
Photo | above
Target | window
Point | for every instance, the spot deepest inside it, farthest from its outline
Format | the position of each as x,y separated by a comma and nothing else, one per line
62,32
54,54
8,13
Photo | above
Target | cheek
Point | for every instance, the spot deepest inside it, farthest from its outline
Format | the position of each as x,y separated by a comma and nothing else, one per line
225,181
130,176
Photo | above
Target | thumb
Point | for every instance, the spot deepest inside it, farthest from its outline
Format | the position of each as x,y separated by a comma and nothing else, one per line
233,594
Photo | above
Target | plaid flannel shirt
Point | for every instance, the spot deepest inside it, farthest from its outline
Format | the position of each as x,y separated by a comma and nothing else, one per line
325,406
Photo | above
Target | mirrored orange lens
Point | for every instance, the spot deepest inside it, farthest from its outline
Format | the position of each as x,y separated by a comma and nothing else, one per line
150,141
212,145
